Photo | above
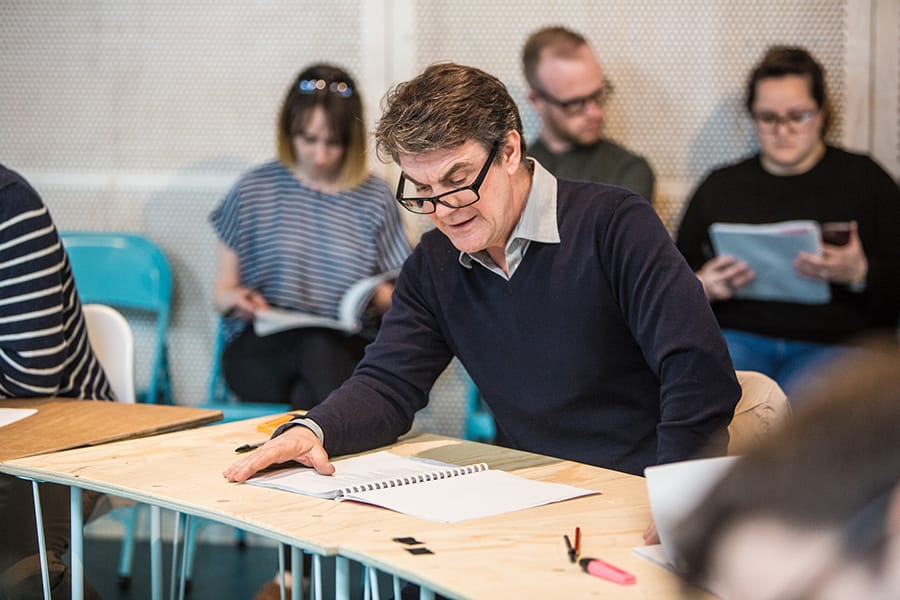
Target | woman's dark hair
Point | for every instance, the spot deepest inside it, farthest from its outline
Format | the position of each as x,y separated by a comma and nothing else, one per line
780,61
334,90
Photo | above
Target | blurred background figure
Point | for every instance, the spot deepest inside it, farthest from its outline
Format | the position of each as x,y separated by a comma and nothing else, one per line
796,175
569,91
814,510
296,233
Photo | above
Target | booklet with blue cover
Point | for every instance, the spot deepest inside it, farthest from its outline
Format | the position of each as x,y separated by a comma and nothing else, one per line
769,250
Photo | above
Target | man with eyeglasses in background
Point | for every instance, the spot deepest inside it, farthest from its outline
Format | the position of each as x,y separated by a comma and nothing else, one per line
565,301
569,92
797,175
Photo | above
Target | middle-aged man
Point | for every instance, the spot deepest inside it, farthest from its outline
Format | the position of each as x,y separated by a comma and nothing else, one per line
567,303
569,92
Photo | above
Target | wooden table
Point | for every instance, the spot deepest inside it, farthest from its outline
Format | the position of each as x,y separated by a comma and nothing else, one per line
516,555
61,424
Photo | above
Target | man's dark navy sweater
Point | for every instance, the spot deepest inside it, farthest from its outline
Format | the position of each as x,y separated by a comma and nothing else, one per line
600,349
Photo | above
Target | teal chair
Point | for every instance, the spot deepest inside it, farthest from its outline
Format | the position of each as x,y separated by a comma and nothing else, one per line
479,421
127,271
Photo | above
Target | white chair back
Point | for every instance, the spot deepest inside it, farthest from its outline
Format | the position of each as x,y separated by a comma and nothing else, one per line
113,344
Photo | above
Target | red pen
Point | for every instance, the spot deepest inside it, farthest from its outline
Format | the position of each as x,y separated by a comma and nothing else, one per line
604,570
577,543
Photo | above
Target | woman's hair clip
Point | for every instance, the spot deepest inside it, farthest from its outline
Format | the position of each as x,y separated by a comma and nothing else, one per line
312,86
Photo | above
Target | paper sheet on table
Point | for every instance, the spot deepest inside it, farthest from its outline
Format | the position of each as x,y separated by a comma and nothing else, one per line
11,415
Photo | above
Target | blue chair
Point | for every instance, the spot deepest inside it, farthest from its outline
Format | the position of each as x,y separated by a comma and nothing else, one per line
126,270
479,421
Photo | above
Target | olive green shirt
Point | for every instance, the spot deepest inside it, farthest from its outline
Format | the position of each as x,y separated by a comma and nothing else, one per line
603,161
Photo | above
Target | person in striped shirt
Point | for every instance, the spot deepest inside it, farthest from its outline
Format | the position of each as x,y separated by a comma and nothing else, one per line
44,351
296,233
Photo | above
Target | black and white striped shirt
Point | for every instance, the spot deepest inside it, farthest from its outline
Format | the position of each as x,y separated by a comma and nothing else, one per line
44,347
301,248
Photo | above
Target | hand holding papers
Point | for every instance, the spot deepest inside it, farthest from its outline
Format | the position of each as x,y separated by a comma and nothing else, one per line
425,489
769,250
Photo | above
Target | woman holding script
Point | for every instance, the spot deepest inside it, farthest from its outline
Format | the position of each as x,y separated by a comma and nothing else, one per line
296,233
797,176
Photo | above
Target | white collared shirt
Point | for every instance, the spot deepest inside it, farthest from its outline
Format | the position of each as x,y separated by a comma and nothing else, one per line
538,223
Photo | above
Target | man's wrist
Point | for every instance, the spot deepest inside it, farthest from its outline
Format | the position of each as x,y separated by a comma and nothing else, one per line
302,422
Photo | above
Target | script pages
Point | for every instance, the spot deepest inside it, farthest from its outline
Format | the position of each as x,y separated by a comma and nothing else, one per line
420,488
770,250
350,312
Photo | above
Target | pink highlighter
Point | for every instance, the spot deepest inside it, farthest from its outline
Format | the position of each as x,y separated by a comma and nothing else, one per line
604,570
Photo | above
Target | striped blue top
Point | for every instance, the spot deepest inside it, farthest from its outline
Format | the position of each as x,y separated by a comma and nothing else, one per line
302,248
44,348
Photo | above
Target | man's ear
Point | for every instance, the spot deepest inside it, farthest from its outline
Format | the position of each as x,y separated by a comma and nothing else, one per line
512,151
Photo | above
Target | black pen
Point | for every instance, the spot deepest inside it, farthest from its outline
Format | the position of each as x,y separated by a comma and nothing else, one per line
569,548
249,447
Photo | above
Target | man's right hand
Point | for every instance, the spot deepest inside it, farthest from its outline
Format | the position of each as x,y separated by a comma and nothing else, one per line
297,443
722,276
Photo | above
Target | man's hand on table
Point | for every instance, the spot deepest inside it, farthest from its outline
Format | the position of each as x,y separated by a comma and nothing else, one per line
297,443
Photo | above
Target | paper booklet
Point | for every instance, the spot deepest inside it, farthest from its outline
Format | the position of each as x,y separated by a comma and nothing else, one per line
770,250
674,491
421,488
350,311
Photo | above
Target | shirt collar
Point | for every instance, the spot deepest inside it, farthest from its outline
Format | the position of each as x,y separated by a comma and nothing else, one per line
538,222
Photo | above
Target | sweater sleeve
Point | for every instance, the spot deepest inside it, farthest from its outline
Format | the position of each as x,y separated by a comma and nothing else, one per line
665,308
392,382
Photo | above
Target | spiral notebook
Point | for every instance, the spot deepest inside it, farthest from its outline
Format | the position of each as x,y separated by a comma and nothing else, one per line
422,488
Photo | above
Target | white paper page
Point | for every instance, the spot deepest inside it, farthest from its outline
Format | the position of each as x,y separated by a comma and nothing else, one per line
9,416
675,489
273,320
655,554
347,472
470,496
770,250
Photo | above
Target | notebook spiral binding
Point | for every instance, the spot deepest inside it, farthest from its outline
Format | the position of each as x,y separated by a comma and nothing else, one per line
413,479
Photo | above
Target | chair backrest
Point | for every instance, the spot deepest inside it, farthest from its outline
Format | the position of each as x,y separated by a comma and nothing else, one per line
127,271
113,344
763,406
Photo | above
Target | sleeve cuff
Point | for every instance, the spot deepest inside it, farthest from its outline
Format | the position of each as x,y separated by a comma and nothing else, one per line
303,422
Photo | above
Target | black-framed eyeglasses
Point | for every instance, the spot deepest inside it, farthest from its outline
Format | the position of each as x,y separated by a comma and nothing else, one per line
574,106
458,198
793,121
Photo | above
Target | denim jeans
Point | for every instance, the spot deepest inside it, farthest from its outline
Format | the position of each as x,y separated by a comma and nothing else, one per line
792,363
